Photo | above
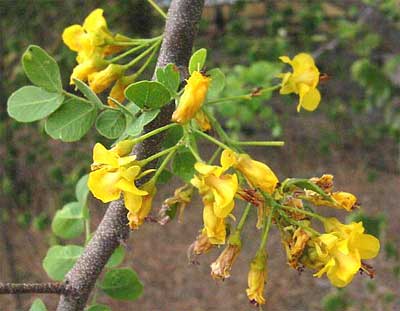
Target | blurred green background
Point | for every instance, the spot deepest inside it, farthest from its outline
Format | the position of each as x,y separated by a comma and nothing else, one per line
355,134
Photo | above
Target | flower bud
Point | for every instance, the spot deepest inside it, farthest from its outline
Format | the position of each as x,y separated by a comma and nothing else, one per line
258,174
256,279
99,81
192,98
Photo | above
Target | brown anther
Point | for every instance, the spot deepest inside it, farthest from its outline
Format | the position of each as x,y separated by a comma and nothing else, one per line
324,77
367,269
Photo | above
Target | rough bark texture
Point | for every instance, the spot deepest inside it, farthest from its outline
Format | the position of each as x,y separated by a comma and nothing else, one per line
181,27
27,288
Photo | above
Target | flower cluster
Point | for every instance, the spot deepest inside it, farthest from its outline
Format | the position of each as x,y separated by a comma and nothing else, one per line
94,44
239,180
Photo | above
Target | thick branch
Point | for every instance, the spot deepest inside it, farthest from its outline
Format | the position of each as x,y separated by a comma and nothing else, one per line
181,27
29,288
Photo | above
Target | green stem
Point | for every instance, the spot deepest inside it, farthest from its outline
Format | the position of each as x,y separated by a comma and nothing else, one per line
120,106
302,211
299,224
259,143
154,132
157,155
215,154
143,55
267,227
157,8
212,139
128,52
194,152
243,218
225,99
221,133
164,164
249,96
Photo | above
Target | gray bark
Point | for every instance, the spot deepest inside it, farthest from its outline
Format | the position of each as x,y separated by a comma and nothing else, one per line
181,27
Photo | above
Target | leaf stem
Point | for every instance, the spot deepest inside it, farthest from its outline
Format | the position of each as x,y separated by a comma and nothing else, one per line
154,132
243,218
258,143
141,56
266,228
157,155
157,8
212,139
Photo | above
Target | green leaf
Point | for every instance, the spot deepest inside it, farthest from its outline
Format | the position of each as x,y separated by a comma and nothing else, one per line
174,134
148,94
98,307
122,284
38,305
71,121
31,103
165,177
82,189
68,223
169,76
60,259
197,60
87,91
111,123
183,164
116,258
136,127
41,69
217,81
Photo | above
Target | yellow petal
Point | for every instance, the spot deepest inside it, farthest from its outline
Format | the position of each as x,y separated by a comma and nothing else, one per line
367,245
74,37
95,21
132,201
285,59
224,189
102,183
310,100
205,169
228,159
129,187
103,156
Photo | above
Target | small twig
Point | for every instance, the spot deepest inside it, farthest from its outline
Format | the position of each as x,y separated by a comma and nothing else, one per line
29,288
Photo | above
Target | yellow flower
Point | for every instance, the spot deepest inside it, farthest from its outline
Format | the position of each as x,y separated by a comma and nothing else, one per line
118,90
339,252
142,206
214,226
258,174
101,80
113,174
192,98
216,187
84,69
256,279
302,81
89,37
